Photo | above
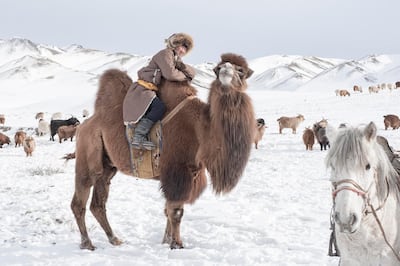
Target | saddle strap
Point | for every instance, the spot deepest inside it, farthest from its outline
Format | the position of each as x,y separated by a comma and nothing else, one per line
176,110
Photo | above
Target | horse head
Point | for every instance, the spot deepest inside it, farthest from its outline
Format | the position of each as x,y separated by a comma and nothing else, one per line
356,163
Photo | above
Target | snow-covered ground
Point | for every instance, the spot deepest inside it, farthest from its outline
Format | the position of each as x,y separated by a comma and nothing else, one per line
277,215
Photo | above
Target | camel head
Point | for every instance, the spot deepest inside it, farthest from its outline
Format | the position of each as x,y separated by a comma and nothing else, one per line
233,71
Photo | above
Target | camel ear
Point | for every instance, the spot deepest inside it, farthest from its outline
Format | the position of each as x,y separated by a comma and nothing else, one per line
249,73
370,131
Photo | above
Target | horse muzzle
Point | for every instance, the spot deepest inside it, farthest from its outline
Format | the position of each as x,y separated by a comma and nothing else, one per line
347,224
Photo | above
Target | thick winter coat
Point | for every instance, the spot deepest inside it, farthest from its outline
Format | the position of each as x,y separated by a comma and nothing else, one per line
161,66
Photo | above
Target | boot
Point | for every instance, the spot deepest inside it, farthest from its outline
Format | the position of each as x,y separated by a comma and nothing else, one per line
140,137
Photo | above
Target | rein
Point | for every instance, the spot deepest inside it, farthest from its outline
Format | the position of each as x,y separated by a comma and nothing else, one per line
177,108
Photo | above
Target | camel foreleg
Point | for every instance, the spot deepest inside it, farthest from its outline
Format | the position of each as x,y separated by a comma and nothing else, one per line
174,213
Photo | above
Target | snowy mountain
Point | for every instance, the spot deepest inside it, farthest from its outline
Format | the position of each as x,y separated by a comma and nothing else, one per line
34,67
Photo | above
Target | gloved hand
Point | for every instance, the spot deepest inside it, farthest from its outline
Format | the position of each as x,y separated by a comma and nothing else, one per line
180,65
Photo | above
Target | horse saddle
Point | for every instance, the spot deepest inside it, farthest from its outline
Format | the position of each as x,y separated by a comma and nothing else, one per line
145,163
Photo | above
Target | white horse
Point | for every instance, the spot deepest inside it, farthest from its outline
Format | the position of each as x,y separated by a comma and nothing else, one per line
366,199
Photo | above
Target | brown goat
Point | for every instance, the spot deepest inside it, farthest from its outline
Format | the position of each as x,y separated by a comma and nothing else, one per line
2,119
29,145
397,84
392,121
260,129
290,122
65,132
344,93
308,138
19,138
357,88
4,140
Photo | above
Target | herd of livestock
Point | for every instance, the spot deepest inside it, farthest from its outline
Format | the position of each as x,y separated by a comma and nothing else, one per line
371,89
66,129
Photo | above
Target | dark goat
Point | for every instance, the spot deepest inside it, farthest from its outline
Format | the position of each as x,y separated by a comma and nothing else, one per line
320,134
55,124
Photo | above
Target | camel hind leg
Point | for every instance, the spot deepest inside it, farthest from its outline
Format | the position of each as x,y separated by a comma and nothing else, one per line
78,206
98,204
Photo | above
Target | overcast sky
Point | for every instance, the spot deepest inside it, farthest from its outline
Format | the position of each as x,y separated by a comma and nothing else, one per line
346,29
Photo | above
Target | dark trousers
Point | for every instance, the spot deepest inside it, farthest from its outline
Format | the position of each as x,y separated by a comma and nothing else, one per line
156,110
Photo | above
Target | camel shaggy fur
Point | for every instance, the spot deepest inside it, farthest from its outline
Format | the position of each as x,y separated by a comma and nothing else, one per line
216,136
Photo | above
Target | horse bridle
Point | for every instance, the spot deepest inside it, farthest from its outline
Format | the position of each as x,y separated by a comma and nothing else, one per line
356,188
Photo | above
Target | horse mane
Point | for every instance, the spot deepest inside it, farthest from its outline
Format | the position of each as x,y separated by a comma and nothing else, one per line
348,152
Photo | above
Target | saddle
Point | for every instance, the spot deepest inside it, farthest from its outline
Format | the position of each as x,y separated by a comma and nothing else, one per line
145,163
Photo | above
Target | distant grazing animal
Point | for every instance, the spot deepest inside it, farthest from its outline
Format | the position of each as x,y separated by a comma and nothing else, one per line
216,136
366,199
392,121
56,116
383,86
308,138
2,119
29,145
55,124
397,84
323,122
390,86
39,115
85,113
373,89
260,129
43,127
65,132
357,88
19,138
4,139
290,122
320,134
344,93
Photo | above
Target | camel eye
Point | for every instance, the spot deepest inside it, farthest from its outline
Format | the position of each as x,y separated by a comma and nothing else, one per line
367,167
240,71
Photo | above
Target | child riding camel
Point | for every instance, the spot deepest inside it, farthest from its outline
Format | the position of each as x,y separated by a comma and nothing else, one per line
141,105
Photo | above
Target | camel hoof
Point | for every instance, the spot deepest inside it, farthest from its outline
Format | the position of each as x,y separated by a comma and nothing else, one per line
115,241
176,245
87,245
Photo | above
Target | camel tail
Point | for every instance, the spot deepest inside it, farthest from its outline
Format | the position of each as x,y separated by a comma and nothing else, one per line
69,156
234,134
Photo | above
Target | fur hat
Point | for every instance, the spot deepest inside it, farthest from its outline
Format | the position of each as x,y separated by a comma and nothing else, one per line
177,39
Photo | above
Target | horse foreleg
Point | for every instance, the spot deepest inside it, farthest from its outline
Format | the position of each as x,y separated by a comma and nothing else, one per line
78,206
174,213
98,205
